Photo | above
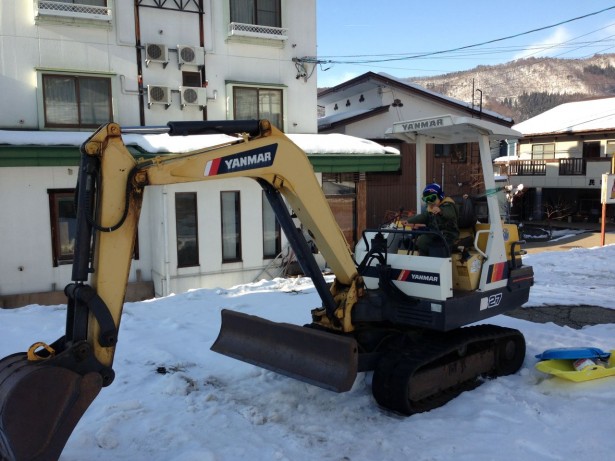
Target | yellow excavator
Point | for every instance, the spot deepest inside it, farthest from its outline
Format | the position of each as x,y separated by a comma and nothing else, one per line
389,310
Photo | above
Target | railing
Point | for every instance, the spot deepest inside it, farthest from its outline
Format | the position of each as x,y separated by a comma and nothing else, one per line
72,10
527,168
254,30
572,166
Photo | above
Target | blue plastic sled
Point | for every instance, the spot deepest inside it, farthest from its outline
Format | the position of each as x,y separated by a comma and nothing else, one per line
574,353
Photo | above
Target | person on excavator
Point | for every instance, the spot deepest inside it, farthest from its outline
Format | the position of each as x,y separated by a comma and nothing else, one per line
440,215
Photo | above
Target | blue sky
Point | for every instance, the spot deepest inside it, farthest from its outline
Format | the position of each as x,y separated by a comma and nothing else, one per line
347,29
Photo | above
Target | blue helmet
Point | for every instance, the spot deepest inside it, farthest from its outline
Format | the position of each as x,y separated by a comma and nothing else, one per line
433,188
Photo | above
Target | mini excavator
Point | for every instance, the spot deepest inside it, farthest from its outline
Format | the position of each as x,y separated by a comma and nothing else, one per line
403,316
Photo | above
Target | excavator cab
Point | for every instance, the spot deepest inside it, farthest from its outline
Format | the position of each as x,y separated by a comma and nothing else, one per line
397,315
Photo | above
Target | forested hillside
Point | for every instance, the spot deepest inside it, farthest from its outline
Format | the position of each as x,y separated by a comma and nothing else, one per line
524,88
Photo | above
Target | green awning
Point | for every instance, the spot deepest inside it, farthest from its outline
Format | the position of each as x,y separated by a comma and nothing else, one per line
29,156
354,163
23,156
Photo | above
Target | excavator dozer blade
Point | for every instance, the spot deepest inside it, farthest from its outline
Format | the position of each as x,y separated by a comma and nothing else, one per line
40,405
327,360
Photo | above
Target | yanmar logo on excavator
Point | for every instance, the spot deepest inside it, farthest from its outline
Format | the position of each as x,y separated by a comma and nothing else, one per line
428,278
248,160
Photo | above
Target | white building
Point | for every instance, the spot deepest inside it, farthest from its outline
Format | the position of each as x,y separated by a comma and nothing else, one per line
69,67
561,159
366,106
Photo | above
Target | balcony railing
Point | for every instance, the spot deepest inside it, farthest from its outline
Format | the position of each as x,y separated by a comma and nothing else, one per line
72,10
256,31
572,166
527,168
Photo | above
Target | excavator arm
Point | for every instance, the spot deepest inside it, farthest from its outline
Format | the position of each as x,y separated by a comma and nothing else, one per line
45,391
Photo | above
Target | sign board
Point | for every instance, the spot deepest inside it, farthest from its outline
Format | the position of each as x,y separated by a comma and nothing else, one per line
608,189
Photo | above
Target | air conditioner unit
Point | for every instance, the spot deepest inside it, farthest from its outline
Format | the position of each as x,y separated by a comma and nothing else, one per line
155,52
190,55
158,95
192,96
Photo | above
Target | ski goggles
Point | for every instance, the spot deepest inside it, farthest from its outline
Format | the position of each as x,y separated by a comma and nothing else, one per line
430,198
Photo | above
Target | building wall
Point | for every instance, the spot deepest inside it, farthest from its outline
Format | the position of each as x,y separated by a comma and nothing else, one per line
30,46
26,264
211,271
392,192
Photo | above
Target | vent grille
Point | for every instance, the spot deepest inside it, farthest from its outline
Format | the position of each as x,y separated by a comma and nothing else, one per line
187,54
158,95
155,52
192,96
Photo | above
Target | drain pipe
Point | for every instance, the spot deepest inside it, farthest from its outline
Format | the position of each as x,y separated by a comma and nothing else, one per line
165,236
139,63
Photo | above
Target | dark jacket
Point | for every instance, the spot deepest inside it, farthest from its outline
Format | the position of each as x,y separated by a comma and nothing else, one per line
445,221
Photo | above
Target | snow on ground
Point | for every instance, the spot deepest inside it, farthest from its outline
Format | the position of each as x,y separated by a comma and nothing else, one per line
208,407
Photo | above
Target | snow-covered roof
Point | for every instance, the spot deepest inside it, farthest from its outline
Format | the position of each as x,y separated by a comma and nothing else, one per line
459,102
313,144
582,116
360,84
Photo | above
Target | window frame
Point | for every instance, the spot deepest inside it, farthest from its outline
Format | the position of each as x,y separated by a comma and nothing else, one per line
77,78
232,87
192,78
256,20
237,256
277,230
59,258
54,228
181,262
541,155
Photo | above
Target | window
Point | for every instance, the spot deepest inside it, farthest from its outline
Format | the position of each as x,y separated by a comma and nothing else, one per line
543,151
457,152
272,242
76,101
258,103
63,225
258,12
231,226
186,229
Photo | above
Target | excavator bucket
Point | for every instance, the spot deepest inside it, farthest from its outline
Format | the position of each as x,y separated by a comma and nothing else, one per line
327,360
40,405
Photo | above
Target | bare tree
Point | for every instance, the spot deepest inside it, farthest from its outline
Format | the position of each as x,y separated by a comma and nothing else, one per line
560,209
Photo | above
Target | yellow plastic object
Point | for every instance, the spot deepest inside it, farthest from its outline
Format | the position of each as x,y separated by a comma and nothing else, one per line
565,369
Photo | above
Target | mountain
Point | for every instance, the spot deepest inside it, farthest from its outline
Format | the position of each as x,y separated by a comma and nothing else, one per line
524,88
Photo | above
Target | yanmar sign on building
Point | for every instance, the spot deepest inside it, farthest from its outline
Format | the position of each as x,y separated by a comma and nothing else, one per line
423,124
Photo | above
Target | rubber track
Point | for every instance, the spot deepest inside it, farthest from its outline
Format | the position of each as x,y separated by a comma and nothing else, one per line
391,379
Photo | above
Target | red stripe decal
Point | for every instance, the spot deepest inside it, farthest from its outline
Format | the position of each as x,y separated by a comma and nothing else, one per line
498,272
214,167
